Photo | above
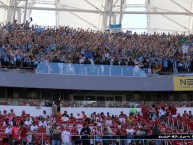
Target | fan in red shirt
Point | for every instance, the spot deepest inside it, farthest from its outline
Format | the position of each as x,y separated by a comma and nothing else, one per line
23,114
93,132
139,116
75,138
173,111
116,120
168,111
157,108
163,128
15,133
4,113
103,115
12,113
108,119
23,134
185,115
123,135
144,111
122,117
72,118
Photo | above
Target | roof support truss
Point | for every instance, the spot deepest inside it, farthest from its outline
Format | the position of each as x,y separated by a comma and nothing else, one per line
96,11
179,5
84,20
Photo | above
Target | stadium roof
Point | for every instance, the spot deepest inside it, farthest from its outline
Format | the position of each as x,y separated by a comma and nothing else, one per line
135,15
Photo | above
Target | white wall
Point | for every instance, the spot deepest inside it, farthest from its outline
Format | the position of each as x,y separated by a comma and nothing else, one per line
36,111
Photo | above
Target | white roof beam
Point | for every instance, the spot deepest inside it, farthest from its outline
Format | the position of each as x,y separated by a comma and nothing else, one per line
44,2
132,5
2,3
179,5
175,22
168,30
115,2
165,10
92,5
84,20
96,11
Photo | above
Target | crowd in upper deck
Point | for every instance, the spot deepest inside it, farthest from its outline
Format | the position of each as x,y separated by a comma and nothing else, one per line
23,46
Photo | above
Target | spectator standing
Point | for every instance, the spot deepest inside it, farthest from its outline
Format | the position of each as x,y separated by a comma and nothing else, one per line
8,132
29,138
173,111
15,134
156,131
66,136
23,134
54,109
122,117
55,134
123,135
106,136
162,113
133,110
75,135
108,119
8,129
85,132
190,115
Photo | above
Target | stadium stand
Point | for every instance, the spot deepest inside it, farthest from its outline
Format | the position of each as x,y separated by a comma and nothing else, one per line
136,124
26,48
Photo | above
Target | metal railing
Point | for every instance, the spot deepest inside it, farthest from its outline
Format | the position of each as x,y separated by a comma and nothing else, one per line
88,69
44,138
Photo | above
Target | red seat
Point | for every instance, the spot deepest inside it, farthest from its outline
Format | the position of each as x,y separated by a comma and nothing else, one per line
46,138
42,129
3,135
2,130
38,137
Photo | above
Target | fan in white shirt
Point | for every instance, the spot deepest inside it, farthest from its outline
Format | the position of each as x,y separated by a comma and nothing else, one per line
7,122
139,131
8,129
34,127
185,48
51,119
130,130
65,118
42,123
44,115
66,136
79,126
28,122
99,123
78,117
29,137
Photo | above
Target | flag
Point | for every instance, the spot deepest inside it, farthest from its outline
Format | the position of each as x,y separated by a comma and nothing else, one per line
156,68
182,39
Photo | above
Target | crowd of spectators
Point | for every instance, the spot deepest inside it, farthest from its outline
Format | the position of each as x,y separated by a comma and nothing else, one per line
98,128
28,47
